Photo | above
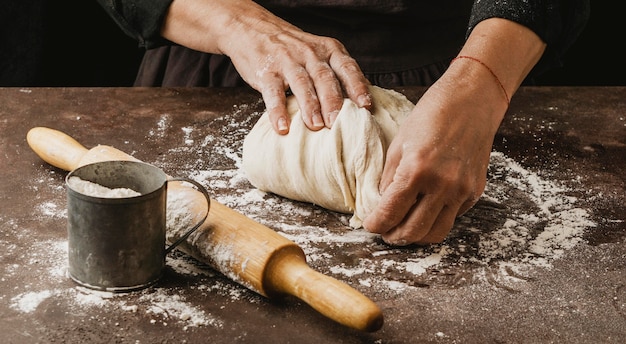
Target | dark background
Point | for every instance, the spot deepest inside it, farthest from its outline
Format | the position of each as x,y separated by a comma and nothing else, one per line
75,43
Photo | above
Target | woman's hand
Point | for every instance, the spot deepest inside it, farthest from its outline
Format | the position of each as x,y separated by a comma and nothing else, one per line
436,166
272,56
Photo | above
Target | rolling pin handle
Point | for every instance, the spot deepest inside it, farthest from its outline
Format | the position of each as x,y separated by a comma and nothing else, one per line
56,148
288,273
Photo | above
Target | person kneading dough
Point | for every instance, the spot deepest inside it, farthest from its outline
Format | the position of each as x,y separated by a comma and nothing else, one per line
338,168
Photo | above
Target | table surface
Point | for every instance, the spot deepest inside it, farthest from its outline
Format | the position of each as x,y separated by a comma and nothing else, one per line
540,258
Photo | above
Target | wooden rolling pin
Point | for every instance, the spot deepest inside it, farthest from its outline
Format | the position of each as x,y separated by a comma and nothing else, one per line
245,251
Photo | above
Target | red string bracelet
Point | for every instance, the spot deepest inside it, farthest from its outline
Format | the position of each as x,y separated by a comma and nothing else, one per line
506,95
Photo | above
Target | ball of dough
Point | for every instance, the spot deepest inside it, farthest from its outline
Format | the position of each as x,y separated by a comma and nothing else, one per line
338,168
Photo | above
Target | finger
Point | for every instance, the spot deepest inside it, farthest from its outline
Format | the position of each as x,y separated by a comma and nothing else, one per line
441,227
418,222
276,105
328,90
352,79
395,202
303,89
392,163
467,205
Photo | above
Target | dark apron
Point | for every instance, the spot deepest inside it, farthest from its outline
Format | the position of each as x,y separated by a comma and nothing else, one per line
409,45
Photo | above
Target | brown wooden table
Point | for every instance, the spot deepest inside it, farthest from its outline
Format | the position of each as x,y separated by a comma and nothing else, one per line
541,258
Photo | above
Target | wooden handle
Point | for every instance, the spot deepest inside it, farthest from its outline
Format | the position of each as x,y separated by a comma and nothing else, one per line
289,273
244,250
56,148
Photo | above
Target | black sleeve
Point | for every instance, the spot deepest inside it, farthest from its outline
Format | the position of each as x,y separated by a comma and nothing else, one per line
140,19
557,22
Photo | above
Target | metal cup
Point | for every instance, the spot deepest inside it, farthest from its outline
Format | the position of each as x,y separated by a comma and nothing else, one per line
118,244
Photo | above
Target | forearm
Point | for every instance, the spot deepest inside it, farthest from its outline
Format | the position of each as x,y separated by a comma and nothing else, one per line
508,52
508,48
436,165
557,22
218,26
192,23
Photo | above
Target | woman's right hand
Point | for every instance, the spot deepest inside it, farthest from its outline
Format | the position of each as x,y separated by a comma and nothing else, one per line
272,56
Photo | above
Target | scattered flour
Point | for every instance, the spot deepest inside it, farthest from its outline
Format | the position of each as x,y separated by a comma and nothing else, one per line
160,302
174,307
164,304
52,210
29,301
162,125
187,137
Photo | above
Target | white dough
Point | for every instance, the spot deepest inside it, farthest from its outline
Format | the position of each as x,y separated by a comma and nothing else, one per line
338,168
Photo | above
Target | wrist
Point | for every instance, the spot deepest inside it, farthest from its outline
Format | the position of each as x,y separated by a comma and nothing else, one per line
197,24
495,76
475,86
508,48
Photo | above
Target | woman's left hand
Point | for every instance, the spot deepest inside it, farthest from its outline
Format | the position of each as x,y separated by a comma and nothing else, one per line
436,166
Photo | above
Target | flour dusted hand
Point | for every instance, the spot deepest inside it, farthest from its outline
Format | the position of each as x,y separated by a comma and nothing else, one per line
337,168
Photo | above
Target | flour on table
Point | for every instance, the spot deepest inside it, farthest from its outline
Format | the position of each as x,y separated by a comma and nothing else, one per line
28,302
164,305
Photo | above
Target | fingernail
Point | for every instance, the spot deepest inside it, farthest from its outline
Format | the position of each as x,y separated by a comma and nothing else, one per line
318,121
365,100
332,117
282,124
396,242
